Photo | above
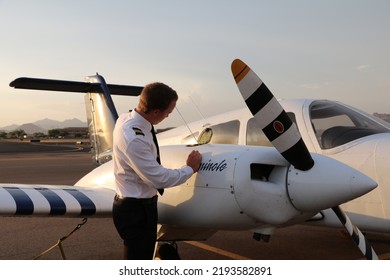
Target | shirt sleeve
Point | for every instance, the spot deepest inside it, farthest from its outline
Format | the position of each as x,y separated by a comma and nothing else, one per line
141,159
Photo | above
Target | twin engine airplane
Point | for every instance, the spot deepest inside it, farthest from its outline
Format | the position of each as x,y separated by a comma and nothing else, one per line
243,183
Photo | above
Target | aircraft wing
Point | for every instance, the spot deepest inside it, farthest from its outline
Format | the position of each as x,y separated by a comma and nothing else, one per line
55,200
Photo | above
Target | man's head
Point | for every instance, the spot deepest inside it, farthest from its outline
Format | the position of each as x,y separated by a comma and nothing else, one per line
156,102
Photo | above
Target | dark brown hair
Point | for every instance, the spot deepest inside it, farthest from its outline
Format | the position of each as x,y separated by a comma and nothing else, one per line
156,96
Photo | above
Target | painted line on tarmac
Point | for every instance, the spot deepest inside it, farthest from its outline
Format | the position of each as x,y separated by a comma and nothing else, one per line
217,250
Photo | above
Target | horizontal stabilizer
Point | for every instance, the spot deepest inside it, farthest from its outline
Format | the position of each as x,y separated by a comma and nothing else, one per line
71,86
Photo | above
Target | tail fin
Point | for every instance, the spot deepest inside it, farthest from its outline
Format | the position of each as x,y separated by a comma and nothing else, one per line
100,108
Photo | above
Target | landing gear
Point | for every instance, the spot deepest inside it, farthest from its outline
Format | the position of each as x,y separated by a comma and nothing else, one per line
259,237
168,251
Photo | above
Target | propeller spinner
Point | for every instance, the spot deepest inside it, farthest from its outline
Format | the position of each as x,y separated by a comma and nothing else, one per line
284,135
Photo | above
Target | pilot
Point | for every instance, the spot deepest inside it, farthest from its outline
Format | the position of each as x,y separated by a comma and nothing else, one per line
138,172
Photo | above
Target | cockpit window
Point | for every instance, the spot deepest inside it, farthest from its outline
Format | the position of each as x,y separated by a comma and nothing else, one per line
225,133
335,124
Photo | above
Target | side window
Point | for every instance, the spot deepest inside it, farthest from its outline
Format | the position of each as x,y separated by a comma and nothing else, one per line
255,135
225,133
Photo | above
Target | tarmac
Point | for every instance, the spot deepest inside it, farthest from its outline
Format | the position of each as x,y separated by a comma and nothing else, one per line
25,238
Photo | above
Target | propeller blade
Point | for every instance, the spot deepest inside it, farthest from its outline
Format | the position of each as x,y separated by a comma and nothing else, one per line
274,121
357,236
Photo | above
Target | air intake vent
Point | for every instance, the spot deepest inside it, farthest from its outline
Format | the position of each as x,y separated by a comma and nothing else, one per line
261,172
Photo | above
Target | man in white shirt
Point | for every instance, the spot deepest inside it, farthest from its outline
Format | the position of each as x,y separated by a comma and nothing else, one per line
138,173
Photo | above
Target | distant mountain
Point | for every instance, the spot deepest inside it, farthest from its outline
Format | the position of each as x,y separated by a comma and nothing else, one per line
31,128
51,124
44,125
9,127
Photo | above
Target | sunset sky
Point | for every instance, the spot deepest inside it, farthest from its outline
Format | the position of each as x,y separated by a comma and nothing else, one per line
301,49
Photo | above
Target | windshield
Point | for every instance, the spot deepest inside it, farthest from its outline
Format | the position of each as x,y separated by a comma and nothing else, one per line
335,124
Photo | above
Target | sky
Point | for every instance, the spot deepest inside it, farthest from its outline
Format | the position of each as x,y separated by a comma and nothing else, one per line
333,49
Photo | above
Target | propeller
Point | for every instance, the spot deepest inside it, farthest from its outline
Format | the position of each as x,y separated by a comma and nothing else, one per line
284,135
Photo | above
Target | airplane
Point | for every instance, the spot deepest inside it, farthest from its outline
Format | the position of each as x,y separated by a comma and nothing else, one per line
240,186
328,127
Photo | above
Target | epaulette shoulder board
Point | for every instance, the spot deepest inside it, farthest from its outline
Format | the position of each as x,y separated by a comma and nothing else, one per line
138,131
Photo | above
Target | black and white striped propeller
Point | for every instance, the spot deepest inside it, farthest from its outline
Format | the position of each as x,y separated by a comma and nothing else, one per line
284,135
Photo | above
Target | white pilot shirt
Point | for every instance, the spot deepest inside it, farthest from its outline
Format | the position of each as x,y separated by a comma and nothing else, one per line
137,172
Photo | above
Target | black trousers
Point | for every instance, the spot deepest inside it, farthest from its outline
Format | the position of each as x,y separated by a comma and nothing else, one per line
136,223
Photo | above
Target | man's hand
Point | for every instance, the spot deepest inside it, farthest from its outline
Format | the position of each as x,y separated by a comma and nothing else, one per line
194,159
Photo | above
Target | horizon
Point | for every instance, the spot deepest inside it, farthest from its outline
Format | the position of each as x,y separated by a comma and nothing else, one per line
7,128
37,123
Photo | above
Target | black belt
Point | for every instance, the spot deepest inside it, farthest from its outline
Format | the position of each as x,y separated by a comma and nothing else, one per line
136,200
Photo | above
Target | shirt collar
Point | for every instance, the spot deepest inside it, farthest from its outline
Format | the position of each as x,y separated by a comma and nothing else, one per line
141,120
